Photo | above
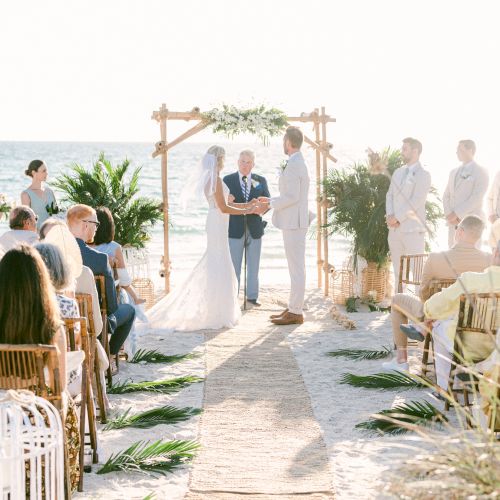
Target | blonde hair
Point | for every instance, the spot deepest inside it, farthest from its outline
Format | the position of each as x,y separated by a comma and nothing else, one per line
76,213
219,152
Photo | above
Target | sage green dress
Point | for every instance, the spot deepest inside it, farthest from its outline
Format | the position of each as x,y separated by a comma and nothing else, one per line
39,205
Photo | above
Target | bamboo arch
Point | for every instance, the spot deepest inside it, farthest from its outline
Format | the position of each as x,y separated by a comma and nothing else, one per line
318,118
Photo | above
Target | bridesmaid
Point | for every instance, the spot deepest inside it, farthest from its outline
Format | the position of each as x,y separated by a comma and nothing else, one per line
40,199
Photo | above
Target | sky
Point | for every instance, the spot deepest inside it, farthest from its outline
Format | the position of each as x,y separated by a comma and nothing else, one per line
386,69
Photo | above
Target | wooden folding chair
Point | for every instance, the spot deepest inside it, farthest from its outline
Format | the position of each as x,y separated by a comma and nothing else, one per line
479,316
22,367
86,396
435,286
86,310
410,270
100,282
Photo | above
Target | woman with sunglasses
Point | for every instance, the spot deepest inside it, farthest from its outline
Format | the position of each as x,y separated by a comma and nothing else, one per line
39,197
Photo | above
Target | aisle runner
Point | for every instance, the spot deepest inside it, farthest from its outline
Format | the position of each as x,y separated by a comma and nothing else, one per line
258,434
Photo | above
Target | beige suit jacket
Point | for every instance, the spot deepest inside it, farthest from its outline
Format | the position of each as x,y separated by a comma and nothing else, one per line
451,264
464,193
291,210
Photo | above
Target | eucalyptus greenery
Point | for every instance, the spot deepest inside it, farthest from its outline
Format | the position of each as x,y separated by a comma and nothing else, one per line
106,185
154,356
356,196
159,457
413,412
389,380
163,386
150,418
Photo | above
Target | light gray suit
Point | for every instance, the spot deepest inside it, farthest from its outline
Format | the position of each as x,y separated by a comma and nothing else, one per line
464,194
291,215
405,200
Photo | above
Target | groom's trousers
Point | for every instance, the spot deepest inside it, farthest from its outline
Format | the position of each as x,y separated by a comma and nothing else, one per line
295,250
237,248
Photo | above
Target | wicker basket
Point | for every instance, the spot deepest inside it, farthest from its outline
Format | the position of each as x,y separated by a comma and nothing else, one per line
146,290
374,278
341,285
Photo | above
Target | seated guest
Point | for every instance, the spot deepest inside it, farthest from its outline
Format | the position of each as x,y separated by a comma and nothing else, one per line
22,223
104,242
463,256
29,315
444,306
83,223
48,225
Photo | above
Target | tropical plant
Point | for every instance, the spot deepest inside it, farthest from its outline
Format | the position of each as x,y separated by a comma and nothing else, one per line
413,412
356,197
106,185
361,354
154,356
150,418
163,386
5,207
159,457
389,380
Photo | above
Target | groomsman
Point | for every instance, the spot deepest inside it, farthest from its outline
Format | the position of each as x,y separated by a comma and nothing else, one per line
245,186
405,205
494,199
465,190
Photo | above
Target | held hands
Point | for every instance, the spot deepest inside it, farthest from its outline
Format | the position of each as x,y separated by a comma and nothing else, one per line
392,221
492,218
452,218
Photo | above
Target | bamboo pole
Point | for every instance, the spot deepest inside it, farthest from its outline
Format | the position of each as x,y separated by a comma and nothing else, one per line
323,204
164,188
192,131
319,218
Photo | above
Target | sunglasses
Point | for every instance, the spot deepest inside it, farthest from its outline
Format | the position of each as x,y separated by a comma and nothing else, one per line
97,224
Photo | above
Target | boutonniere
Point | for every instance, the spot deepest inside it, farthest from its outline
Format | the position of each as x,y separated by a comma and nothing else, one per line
465,176
255,183
52,209
281,168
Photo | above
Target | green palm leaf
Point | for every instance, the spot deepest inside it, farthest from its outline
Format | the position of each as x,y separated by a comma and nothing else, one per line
389,380
157,416
413,412
154,356
159,457
360,354
163,386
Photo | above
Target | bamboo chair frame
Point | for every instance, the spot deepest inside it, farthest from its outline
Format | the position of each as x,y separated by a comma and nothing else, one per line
22,367
410,270
478,314
435,286
86,310
100,282
86,399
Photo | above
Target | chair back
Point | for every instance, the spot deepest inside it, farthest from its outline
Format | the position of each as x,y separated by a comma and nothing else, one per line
22,367
478,322
410,270
435,286
86,309
100,283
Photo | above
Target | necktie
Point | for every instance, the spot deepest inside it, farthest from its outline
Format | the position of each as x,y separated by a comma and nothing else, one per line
245,189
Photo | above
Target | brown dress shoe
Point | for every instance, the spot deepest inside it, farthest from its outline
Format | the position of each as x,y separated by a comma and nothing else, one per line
289,319
274,316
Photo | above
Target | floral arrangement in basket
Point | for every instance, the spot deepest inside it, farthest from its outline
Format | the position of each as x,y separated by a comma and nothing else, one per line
5,207
259,121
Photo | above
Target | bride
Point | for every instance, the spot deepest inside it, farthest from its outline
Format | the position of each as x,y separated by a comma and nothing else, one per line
208,299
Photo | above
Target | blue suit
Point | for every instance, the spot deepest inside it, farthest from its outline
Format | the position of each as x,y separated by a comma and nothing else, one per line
120,316
255,230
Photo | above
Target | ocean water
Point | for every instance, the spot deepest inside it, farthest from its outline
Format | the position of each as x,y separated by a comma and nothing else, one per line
187,235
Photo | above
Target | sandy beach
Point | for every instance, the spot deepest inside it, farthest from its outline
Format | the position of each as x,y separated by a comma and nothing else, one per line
358,464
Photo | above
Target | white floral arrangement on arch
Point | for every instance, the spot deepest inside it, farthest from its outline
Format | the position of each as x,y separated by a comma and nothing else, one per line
259,121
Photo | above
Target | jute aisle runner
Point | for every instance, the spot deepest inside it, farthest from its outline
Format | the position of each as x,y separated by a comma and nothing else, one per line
258,434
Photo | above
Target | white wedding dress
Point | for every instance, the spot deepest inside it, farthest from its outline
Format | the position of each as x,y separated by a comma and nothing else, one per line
208,299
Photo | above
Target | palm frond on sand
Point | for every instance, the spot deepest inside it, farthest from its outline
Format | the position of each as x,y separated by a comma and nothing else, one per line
159,457
154,356
393,421
389,380
361,354
163,386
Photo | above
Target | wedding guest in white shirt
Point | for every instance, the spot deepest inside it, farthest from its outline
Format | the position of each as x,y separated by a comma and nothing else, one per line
22,223
405,205
465,190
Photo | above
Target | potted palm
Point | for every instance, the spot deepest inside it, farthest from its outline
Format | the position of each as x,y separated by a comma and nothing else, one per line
105,185
356,196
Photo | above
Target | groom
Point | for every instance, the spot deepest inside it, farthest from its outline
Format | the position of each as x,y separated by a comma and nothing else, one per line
291,215
245,186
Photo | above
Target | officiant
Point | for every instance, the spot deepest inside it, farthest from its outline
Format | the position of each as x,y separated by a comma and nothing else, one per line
245,186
